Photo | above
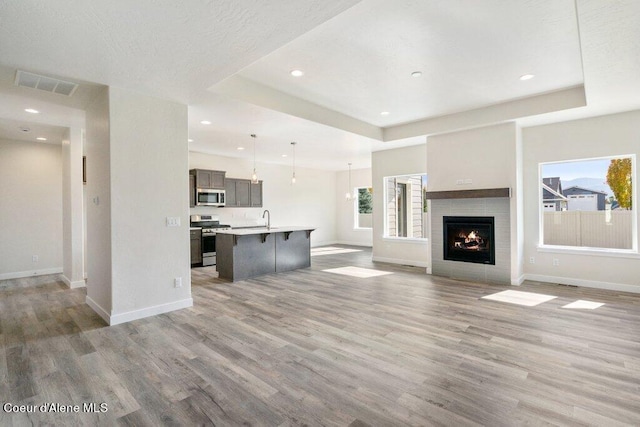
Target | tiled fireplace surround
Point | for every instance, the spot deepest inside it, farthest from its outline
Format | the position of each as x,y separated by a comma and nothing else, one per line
497,207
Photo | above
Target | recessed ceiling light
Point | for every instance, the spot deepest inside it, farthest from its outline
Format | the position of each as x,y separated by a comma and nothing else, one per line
284,155
240,148
31,110
416,74
40,138
527,77
384,113
205,122
189,140
297,73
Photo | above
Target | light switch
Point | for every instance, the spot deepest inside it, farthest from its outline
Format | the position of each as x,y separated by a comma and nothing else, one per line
173,221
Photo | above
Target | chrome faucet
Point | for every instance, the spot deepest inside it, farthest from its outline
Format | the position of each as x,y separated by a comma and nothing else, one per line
268,214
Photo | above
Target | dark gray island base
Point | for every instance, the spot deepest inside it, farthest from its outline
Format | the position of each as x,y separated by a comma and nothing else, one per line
246,253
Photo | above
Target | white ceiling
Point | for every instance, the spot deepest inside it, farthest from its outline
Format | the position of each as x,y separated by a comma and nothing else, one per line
230,62
471,54
14,130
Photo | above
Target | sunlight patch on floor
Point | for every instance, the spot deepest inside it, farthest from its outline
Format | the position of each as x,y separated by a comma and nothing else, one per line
583,304
357,272
528,299
332,251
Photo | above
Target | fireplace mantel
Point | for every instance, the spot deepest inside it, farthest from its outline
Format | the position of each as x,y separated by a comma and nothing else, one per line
469,194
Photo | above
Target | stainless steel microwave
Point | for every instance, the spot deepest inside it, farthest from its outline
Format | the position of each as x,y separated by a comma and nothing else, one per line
209,197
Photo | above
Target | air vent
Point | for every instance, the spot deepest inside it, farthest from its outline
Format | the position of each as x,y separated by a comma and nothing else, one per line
47,84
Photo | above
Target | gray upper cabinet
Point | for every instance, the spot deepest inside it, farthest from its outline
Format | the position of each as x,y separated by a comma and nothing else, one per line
192,190
242,193
256,195
209,178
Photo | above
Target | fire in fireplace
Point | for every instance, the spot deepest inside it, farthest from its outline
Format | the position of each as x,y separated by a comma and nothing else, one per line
469,239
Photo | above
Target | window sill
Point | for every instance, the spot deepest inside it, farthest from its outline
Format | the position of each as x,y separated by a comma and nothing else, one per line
413,240
615,253
362,229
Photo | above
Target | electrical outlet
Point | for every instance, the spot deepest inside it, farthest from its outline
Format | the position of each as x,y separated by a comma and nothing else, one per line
34,258
177,282
556,261
173,221
532,260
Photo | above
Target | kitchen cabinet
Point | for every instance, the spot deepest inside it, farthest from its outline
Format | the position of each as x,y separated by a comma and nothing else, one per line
242,193
208,178
192,190
196,247
255,198
246,253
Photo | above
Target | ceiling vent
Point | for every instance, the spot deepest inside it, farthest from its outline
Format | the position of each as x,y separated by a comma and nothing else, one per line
47,84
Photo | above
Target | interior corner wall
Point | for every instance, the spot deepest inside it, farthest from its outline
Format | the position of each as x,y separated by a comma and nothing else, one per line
149,183
617,134
401,161
30,209
98,206
310,202
73,210
346,211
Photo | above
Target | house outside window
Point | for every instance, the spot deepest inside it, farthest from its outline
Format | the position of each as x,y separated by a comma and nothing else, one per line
588,203
405,210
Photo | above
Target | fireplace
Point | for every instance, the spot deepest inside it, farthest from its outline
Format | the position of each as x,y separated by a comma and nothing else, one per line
469,239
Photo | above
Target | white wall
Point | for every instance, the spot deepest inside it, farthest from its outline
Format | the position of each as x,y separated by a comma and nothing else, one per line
347,210
401,161
149,178
30,208
593,137
486,156
72,209
137,176
310,202
98,206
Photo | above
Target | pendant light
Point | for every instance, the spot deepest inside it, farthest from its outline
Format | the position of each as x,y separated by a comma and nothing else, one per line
293,177
348,195
254,176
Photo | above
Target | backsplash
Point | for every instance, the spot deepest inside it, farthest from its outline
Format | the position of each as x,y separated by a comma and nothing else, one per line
234,217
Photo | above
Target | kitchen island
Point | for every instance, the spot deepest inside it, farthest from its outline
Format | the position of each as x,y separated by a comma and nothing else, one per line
251,252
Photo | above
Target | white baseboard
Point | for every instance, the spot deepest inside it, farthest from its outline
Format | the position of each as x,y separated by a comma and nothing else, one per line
345,242
21,274
518,281
73,285
401,261
581,282
99,310
129,316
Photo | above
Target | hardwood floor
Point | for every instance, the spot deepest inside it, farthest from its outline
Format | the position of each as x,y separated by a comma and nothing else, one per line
314,348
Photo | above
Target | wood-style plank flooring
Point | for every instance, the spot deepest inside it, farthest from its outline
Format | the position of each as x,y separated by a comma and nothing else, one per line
315,348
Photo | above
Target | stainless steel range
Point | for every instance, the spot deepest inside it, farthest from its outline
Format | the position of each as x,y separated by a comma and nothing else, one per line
210,224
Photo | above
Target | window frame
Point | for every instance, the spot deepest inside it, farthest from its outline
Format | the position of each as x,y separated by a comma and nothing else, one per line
590,250
385,232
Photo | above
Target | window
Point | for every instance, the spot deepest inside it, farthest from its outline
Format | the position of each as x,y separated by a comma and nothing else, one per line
588,203
405,209
364,208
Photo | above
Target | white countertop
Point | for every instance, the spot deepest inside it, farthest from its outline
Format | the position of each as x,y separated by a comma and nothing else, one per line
265,230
